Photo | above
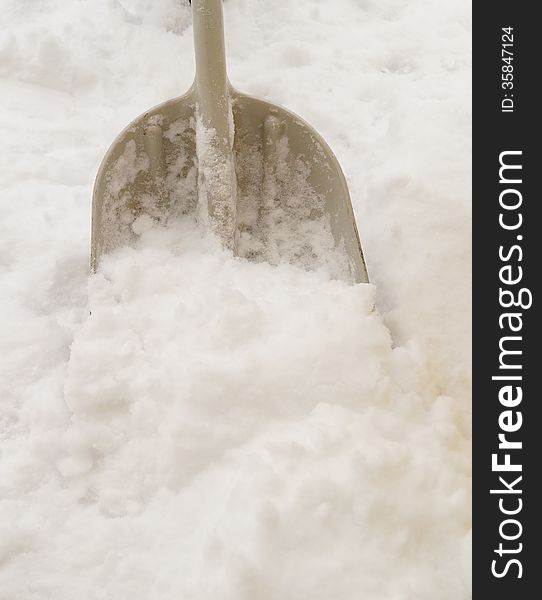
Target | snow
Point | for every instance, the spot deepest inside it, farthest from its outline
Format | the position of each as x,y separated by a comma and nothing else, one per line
217,186
185,424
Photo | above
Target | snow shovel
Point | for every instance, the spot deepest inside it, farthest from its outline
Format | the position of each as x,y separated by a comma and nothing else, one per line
255,174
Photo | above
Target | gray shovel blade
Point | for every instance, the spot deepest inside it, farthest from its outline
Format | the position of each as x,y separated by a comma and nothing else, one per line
293,203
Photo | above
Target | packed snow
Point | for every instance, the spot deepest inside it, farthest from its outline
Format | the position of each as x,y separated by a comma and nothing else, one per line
185,424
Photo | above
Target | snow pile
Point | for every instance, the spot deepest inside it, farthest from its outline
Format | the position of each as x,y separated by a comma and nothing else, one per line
217,428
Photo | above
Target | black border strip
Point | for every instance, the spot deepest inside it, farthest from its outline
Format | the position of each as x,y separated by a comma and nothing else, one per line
495,132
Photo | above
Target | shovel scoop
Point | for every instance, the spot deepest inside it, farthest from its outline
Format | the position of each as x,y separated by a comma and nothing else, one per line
255,174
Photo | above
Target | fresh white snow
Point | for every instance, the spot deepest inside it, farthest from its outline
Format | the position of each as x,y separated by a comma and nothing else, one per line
187,425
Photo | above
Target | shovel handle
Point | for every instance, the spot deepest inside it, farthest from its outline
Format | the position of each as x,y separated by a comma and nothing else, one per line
212,85
217,184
